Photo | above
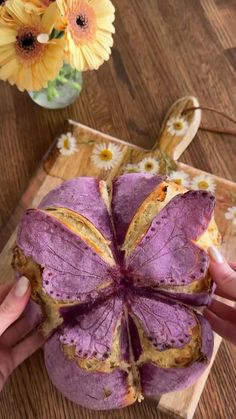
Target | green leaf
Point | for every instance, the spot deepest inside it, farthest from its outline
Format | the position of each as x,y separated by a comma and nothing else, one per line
77,85
59,35
52,92
52,34
170,164
55,34
87,142
62,79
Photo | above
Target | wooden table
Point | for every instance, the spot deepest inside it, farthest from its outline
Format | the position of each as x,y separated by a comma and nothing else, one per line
163,50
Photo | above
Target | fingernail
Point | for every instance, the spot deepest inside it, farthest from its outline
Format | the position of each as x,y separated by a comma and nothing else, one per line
21,287
215,254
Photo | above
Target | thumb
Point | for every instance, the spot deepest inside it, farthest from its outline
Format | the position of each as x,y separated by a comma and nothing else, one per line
222,273
14,303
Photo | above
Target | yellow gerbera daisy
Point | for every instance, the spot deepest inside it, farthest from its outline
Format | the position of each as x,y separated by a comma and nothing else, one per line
23,60
89,27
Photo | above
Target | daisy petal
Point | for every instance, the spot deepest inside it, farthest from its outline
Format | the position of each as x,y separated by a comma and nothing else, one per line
149,165
8,69
180,177
7,36
205,182
106,156
177,126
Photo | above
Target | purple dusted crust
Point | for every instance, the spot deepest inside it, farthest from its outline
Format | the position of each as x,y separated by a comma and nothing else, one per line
85,388
81,195
156,380
129,192
166,324
167,255
92,333
72,271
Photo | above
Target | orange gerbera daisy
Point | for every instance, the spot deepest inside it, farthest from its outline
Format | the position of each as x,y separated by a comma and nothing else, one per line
88,26
23,60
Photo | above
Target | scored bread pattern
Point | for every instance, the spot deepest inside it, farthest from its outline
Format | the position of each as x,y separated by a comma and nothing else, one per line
114,308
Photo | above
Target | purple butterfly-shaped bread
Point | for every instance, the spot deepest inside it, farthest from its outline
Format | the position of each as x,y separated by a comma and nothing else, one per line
114,273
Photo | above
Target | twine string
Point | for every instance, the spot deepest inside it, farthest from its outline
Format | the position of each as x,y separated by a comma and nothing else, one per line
215,130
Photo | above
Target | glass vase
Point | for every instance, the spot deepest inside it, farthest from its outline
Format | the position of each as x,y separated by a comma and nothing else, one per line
62,91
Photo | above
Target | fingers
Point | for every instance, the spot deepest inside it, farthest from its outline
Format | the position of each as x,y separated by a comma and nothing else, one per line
224,328
233,265
10,359
6,366
223,274
26,348
223,311
223,294
16,332
14,303
5,288
225,278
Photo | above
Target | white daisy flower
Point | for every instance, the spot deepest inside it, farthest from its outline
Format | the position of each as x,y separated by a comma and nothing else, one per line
180,177
177,126
67,144
231,215
205,182
131,168
149,165
106,156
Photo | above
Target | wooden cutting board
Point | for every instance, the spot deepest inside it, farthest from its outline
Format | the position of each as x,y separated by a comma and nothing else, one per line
179,129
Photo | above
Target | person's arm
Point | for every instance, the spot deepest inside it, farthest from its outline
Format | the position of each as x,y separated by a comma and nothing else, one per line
221,316
15,343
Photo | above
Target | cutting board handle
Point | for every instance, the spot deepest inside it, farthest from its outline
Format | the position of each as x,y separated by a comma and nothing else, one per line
179,128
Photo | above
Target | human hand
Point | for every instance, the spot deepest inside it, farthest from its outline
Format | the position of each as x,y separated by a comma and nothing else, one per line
15,344
221,316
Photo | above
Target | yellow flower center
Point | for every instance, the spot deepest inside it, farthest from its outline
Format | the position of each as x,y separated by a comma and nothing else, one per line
203,184
27,47
235,214
66,144
106,155
148,166
178,125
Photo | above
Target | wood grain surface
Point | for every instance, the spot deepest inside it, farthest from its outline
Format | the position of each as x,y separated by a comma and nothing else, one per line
163,50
